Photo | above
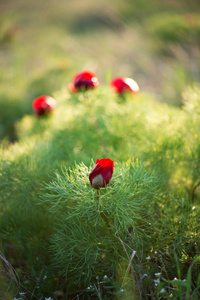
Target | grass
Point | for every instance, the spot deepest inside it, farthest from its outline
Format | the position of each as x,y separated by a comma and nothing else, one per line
144,241
40,41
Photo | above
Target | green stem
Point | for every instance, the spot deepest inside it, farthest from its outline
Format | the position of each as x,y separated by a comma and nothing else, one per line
193,191
103,216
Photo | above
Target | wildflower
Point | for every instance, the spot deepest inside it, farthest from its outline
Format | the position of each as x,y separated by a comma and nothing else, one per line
162,291
122,85
83,81
102,173
157,274
156,281
43,105
148,257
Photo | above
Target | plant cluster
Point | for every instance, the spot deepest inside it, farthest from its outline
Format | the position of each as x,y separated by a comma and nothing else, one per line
137,237
127,226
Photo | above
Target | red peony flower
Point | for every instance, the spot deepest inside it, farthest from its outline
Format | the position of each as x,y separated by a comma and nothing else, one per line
43,105
122,85
102,173
83,81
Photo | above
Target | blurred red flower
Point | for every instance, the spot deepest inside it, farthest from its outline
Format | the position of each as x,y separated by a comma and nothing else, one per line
122,85
43,105
83,81
102,173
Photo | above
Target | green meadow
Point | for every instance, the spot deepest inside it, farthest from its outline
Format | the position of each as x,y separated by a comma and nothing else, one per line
139,237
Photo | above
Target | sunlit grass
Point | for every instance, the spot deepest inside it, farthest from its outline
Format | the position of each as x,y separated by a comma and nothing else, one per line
53,236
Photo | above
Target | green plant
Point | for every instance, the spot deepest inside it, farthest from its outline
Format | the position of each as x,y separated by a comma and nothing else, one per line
150,206
91,225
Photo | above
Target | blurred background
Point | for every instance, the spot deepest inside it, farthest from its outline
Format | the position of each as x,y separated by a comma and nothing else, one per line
43,44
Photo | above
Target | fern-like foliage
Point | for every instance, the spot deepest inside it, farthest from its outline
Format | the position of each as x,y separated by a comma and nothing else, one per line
89,222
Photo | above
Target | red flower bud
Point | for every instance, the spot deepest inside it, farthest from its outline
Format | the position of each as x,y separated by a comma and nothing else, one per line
83,81
102,173
43,105
122,85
